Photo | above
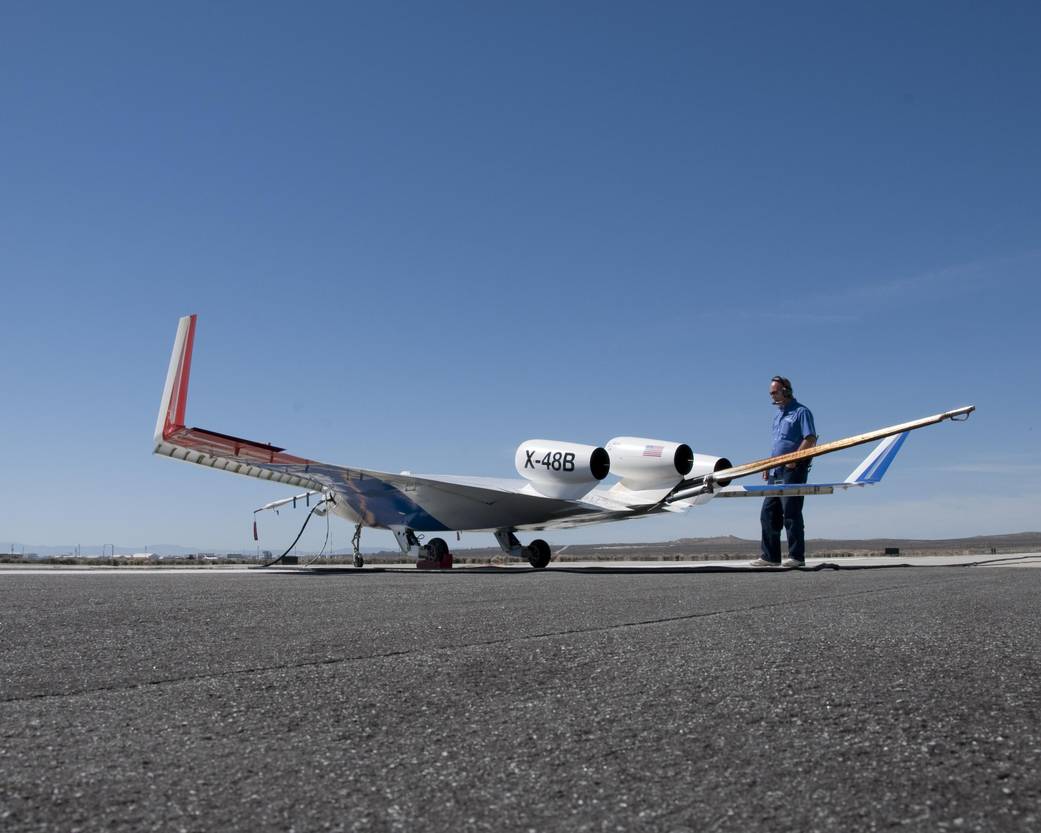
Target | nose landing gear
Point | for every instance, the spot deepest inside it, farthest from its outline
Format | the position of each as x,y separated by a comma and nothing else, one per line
359,562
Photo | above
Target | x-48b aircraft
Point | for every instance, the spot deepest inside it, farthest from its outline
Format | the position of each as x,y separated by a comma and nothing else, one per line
561,485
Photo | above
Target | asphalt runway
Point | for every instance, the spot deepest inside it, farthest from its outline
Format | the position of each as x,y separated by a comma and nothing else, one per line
665,700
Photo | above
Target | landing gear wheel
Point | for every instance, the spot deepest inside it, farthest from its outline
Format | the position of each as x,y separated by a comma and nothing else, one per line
438,551
359,562
538,553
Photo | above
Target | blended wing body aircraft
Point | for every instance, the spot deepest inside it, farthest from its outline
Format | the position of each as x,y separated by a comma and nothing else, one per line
561,485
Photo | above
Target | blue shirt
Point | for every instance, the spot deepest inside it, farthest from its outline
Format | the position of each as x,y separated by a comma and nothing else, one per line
792,425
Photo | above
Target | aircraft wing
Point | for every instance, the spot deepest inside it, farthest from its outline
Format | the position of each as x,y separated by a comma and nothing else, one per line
869,472
374,498
719,480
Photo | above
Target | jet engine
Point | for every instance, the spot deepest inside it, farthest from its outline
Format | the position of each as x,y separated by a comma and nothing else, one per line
706,464
656,464
649,464
561,470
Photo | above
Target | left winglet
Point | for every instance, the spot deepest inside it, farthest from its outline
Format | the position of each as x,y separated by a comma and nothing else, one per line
875,465
175,393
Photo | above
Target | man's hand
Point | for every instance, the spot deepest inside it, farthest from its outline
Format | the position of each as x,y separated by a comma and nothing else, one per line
807,442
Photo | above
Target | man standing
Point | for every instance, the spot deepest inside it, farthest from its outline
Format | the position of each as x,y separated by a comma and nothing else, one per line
793,430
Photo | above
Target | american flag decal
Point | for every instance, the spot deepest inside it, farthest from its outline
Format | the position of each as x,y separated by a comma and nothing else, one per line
653,450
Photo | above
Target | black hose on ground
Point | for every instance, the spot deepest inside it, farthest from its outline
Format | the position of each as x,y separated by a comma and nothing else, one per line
289,549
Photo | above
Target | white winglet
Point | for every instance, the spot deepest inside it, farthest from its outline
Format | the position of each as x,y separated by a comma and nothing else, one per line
175,392
874,466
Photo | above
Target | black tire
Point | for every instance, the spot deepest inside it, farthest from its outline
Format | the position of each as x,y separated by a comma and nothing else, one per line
540,554
359,562
437,549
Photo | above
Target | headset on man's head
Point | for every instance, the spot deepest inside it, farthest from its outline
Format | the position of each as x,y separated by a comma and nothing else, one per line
786,386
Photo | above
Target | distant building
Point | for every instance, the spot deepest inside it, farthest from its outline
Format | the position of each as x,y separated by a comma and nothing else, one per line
137,556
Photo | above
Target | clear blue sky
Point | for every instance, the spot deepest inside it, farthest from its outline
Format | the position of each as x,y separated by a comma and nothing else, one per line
417,234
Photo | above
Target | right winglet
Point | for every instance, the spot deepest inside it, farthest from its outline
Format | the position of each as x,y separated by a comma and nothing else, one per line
175,393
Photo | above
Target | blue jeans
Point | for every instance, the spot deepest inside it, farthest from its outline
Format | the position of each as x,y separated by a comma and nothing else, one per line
786,513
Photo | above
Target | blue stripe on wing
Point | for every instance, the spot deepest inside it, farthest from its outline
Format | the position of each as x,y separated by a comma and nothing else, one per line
376,501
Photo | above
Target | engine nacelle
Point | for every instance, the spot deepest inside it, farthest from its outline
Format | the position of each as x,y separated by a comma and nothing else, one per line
649,464
561,470
706,464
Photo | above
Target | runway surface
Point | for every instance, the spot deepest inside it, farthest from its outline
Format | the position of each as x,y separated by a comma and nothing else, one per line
667,700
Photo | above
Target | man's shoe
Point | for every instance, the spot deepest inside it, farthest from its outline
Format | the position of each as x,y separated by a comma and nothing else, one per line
793,562
762,562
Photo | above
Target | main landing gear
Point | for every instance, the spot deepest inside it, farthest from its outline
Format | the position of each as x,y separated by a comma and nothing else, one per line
537,553
435,555
431,556
438,556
